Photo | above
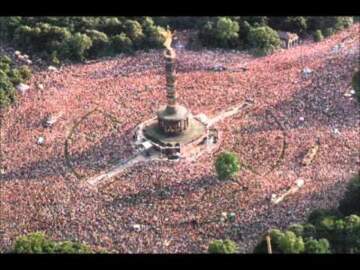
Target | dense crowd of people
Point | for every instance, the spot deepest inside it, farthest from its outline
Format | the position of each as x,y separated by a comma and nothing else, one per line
176,206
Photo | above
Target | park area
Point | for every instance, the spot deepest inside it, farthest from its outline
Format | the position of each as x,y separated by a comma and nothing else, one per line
301,96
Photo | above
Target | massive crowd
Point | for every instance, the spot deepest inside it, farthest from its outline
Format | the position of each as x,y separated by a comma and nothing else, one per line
176,207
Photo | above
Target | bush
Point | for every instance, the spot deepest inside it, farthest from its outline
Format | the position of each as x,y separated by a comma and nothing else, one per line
356,84
77,46
223,247
317,246
350,204
318,36
226,165
264,40
121,43
38,242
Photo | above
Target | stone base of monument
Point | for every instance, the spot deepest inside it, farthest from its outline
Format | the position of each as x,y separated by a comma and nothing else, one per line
177,145
194,139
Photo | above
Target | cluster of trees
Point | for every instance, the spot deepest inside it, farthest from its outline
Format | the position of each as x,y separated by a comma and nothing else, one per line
258,33
10,77
80,38
38,242
326,231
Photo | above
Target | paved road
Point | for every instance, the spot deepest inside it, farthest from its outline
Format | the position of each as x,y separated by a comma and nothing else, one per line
93,181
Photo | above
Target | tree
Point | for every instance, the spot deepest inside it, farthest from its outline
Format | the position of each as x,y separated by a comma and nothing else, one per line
318,36
153,34
77,46
133,30
350,204
309,230
226,32
298,229
110,25
342,22
244,31
38,242
256,21
282,242
100,42
223,247
222,32
226,165
290,243
335,22
8,26
328,31
25,72
264,40
314,246
318,215
121,43
295,24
